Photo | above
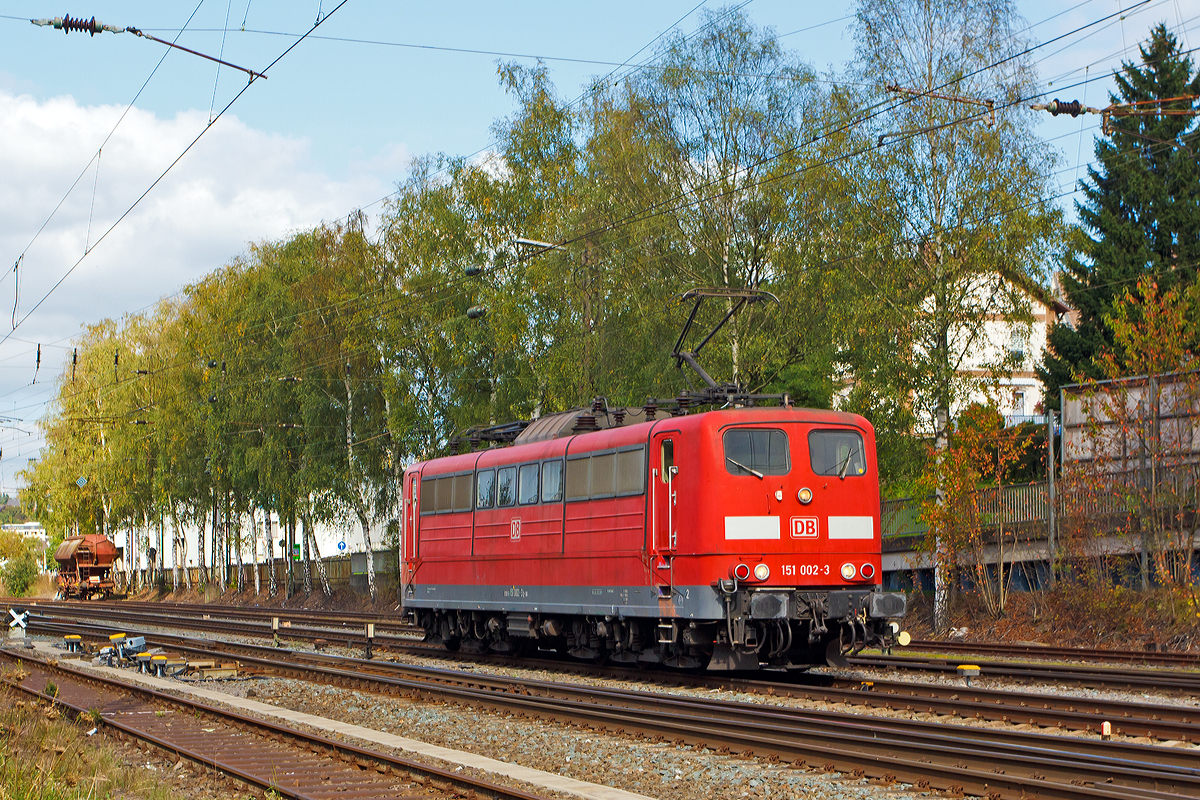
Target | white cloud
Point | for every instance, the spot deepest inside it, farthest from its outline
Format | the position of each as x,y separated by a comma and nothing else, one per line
236,185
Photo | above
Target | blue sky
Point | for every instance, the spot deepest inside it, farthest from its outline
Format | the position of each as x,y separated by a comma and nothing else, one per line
331,129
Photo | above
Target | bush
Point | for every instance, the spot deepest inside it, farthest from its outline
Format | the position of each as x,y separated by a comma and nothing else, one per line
19,574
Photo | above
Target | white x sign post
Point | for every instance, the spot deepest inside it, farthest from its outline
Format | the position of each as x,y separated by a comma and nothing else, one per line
19,618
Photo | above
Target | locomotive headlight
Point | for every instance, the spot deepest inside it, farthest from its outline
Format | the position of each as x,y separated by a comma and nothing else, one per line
804,496
848,572
762,572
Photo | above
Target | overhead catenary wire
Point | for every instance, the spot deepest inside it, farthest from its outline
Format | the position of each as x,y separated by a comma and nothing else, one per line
408,296
109,136
164,173
15,323
91,212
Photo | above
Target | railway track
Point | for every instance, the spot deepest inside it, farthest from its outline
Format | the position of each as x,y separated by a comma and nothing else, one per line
350,620
257,752
1049,653
1184,682
1041,709
983,761
1162,722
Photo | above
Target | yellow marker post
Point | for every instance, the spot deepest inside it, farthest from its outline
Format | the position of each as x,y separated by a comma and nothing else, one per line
968,671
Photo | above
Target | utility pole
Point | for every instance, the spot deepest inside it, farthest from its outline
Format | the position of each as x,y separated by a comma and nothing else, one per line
1051,537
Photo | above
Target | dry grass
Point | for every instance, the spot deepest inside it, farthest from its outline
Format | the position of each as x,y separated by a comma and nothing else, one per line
45,756
1078,616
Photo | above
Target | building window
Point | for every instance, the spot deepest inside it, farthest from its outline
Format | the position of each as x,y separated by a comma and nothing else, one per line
1018,344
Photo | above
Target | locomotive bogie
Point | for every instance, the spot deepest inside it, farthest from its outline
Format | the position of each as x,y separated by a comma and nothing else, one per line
728,539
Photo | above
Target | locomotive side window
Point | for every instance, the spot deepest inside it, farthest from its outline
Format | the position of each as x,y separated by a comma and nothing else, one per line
601,480
668,459
443,490
837,453
612,474
485,489
506,486
577,478
427,500
460,500
529,485
631,471
756,451
446,493
552,487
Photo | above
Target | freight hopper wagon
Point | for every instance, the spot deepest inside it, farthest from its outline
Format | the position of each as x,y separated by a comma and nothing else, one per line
85,566
730,539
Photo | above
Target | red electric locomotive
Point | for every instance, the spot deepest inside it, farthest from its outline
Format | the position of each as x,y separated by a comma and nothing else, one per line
727,539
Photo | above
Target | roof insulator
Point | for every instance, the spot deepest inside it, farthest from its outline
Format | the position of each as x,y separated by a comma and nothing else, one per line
585,423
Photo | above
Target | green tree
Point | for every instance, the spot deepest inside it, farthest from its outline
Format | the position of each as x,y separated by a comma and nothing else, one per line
1141,210
19,573
959,226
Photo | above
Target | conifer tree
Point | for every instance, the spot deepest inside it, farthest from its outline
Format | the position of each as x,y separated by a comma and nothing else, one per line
1141,208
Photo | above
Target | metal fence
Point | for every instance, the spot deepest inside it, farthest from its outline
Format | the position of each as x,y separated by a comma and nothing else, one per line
1022,504
348,570
1108,502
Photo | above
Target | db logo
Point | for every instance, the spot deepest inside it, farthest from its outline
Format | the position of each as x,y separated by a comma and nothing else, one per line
514,530
804,528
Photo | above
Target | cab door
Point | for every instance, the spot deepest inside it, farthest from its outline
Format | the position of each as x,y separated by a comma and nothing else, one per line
664,504
411,520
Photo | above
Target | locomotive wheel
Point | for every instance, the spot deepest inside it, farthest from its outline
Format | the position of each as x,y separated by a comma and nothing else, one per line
452,644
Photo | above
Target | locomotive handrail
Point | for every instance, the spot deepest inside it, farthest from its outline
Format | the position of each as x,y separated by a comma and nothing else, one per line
671,539
654,510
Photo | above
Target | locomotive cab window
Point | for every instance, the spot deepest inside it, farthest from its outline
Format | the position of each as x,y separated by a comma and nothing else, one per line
506,486
485,489
757,452
528,490
837,453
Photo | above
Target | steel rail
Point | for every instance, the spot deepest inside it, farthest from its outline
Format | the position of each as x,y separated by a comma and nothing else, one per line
1089,677
1072,713
259,613
1048,652
1098,677
328,755
955,758
382,622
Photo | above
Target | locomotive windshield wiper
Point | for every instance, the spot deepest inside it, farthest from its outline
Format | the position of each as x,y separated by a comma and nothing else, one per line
846,463
753,472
